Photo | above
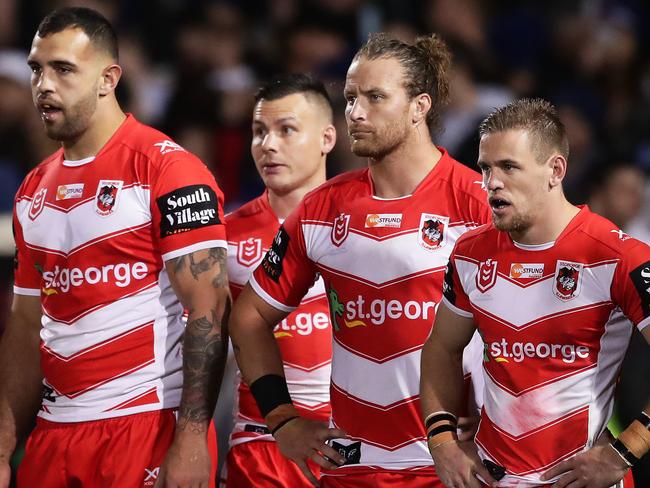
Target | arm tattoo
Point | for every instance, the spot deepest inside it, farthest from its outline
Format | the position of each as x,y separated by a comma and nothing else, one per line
216,258
205,342
204,356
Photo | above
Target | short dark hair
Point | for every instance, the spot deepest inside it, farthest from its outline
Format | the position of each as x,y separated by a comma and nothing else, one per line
288,84
92,23
425,64
539,117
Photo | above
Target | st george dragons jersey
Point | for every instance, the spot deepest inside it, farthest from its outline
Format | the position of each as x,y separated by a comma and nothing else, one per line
382,262
553,321
92,237
304,336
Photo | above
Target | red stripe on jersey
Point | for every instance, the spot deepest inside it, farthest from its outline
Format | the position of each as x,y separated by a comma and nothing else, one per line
99,364
149,397
520,373
538,450
389,427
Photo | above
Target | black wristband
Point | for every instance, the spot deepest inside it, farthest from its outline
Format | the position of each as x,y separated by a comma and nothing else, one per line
440,430
625,453
283,423
432,419
644,419
270,391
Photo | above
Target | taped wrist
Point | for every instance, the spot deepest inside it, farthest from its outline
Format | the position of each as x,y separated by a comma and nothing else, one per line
270,391
441,428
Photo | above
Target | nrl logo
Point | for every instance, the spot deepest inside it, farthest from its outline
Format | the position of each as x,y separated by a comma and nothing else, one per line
340,229
486,275
249,251
106,196
431,234
38,203
567,282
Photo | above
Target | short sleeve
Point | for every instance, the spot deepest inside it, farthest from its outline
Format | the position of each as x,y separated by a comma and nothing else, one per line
27,279
453,294
286,273
186,208
631,285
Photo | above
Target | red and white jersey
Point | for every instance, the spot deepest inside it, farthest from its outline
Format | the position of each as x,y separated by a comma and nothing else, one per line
92,237
383,263
304,336
553,320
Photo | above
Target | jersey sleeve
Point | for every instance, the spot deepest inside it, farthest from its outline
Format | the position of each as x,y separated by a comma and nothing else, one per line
286,273
453,294
631,285
27,278
186,208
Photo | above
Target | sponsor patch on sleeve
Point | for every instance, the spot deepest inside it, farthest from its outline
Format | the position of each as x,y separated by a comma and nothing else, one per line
448,284
641,278
187,208
272,262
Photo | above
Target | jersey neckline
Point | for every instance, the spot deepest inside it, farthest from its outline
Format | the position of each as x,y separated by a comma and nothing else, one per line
439,167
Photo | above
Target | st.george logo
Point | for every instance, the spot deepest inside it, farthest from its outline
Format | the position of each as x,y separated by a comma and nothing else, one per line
486,275
431,234
567,282
106,198
249,251
340,229
38,203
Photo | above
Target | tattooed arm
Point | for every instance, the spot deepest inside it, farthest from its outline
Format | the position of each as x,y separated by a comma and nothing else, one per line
200,281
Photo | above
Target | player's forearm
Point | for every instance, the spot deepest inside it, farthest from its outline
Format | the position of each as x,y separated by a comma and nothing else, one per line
257,353
441,380
205,349
255,346
21,384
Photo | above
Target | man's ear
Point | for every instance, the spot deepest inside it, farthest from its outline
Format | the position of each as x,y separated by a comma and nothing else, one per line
110,78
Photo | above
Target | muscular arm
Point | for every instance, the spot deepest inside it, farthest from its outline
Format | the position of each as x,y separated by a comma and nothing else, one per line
20,376
441,389
251,328
200,281
257,354
441,379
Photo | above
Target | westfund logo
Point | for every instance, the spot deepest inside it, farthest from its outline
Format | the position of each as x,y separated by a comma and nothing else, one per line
641,279
187,208
272,262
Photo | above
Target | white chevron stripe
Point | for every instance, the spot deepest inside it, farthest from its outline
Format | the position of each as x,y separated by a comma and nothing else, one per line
373,260
377,383
538,300
522,415
309,388
52,229
109,321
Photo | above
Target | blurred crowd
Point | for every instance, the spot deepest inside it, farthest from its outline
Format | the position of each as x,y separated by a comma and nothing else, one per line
191,67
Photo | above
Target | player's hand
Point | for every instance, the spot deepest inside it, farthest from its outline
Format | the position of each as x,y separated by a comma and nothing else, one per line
5,472
457,465
187,463
598,467
302,439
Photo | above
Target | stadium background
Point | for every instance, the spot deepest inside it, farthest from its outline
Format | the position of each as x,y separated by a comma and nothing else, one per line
191,66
